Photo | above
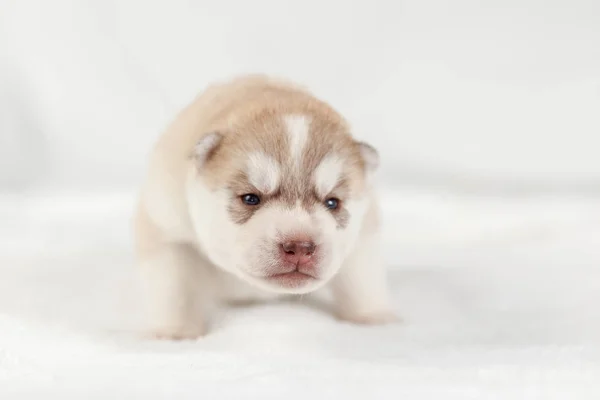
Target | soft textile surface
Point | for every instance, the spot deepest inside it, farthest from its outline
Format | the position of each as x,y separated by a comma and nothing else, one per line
504,308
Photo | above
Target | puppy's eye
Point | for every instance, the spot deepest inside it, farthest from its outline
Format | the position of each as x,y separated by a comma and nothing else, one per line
250,199
332,203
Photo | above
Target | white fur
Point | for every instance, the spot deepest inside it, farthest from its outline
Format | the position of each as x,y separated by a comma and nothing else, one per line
328,173
360,288
172,279
297,127
263,172
164,207
214,231
250,251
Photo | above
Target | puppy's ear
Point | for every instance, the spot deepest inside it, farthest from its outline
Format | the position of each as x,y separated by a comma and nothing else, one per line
370,156
205,147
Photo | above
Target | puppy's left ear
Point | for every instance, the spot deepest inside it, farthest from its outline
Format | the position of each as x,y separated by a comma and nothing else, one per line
205,147
370,156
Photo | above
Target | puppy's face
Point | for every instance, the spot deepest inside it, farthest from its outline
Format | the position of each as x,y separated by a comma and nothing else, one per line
278,199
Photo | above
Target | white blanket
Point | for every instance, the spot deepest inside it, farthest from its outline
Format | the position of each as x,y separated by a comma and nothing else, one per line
504,309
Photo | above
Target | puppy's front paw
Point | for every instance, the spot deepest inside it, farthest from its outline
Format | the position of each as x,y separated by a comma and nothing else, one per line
383,317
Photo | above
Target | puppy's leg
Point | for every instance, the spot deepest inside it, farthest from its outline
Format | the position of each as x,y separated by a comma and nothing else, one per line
176,284
360,288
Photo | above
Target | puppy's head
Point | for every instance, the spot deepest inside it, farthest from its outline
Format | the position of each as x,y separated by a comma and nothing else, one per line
278,198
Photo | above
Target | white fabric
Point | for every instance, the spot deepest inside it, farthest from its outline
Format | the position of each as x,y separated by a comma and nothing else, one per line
507,316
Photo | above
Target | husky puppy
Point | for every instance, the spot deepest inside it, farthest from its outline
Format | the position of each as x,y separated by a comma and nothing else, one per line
257,189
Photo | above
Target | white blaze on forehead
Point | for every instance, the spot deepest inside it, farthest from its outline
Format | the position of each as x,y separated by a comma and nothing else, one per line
285,222
263,172
328,174
297,127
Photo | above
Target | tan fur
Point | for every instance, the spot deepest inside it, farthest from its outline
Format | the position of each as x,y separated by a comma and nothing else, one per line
243,110
249,121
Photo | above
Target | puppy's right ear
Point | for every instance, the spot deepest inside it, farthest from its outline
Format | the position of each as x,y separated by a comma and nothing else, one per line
205,147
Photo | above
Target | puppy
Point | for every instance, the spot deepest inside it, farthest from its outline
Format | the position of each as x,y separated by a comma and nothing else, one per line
258,190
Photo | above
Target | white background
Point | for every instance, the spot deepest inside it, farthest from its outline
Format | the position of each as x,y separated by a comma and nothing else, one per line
450,91
487,117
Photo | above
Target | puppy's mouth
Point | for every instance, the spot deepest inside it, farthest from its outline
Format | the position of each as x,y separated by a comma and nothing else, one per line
291,279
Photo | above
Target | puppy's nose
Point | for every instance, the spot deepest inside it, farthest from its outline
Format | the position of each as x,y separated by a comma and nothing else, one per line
298,252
